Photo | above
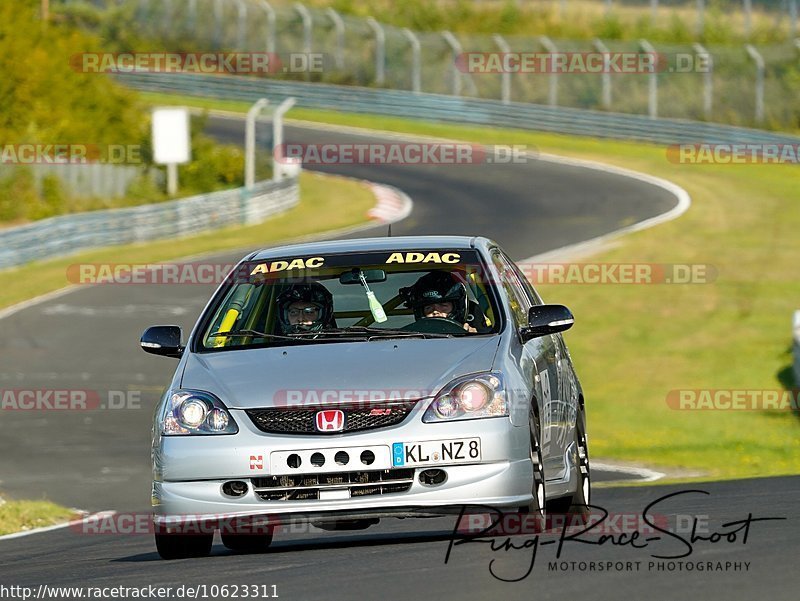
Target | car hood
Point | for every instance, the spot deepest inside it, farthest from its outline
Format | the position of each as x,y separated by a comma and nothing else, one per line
337,372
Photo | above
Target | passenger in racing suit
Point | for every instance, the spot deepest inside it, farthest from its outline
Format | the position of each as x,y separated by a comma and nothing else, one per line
440,294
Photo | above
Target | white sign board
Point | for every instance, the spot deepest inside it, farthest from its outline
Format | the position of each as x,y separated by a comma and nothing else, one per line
171,136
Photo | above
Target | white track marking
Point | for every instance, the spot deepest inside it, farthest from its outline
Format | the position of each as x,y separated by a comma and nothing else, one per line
57,526
644,474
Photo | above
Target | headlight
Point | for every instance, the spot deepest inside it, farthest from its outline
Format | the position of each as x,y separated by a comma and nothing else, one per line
470,397
189,412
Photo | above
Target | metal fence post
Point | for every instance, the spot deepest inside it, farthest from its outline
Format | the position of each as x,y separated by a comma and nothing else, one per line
552,90
277,133
250,142
241,25
218,11
380,51
708,79
652,91
654,10
308,24
416,60
701,17
338,25
505,76
455,49
166,18
748,16
270,25
609,6
191,22
760,69
792,18
605,77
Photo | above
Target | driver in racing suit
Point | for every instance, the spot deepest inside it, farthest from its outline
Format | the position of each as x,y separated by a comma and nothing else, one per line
306,307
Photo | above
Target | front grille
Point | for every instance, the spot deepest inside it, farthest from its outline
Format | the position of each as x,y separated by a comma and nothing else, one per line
281,420
306,487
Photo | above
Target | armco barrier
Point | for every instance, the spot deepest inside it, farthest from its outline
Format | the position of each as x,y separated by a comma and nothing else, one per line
67,234
400,103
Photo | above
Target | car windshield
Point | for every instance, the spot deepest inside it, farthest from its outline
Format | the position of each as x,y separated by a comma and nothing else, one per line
352,297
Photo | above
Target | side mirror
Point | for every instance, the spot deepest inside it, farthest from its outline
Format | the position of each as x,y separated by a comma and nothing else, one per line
162,340
546,319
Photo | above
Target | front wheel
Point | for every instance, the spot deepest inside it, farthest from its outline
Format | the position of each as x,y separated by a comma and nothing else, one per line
537,505
182,546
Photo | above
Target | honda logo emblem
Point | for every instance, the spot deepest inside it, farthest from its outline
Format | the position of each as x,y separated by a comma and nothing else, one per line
330,421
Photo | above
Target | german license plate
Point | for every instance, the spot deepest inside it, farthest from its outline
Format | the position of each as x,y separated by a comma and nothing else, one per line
434,452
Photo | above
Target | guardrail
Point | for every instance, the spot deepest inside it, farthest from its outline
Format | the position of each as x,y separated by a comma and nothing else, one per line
86,179
68,234
401,103
796,346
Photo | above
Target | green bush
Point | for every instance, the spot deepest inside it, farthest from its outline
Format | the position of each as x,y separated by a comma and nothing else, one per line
17,192
47,99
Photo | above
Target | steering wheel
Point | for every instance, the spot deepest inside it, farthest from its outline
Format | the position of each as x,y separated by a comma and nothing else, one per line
435,325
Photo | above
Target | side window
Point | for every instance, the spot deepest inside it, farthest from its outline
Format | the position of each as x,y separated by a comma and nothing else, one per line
520,304
534,297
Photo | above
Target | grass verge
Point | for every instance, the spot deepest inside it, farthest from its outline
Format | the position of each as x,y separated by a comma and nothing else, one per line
633,344
16,516
327,203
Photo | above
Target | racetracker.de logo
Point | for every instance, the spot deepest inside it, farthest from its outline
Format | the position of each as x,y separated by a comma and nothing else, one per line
599,522
732,399
112,523
401,153
201,273
553,63
618,273
734,154
350,397
70,154
50,399
232,63
560,62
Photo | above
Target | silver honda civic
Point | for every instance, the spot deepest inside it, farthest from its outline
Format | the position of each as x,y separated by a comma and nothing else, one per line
339,383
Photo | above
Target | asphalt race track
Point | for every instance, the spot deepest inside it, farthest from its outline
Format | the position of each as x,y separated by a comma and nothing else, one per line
96,460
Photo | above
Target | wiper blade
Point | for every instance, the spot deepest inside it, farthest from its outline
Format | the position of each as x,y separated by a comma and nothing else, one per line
368,330
304,336
253,333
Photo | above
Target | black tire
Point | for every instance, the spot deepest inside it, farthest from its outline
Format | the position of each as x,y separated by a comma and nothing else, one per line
576,505
247,543
537,505
182,546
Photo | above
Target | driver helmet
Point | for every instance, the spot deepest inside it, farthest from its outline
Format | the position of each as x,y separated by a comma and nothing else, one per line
314,295
439,287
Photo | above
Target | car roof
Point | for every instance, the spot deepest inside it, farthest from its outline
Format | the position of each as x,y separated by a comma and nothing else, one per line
393,243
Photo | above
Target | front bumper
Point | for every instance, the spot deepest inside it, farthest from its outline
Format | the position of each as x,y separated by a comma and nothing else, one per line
189,472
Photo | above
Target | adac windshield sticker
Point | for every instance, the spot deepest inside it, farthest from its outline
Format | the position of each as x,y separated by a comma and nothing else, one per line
417,257
310,263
